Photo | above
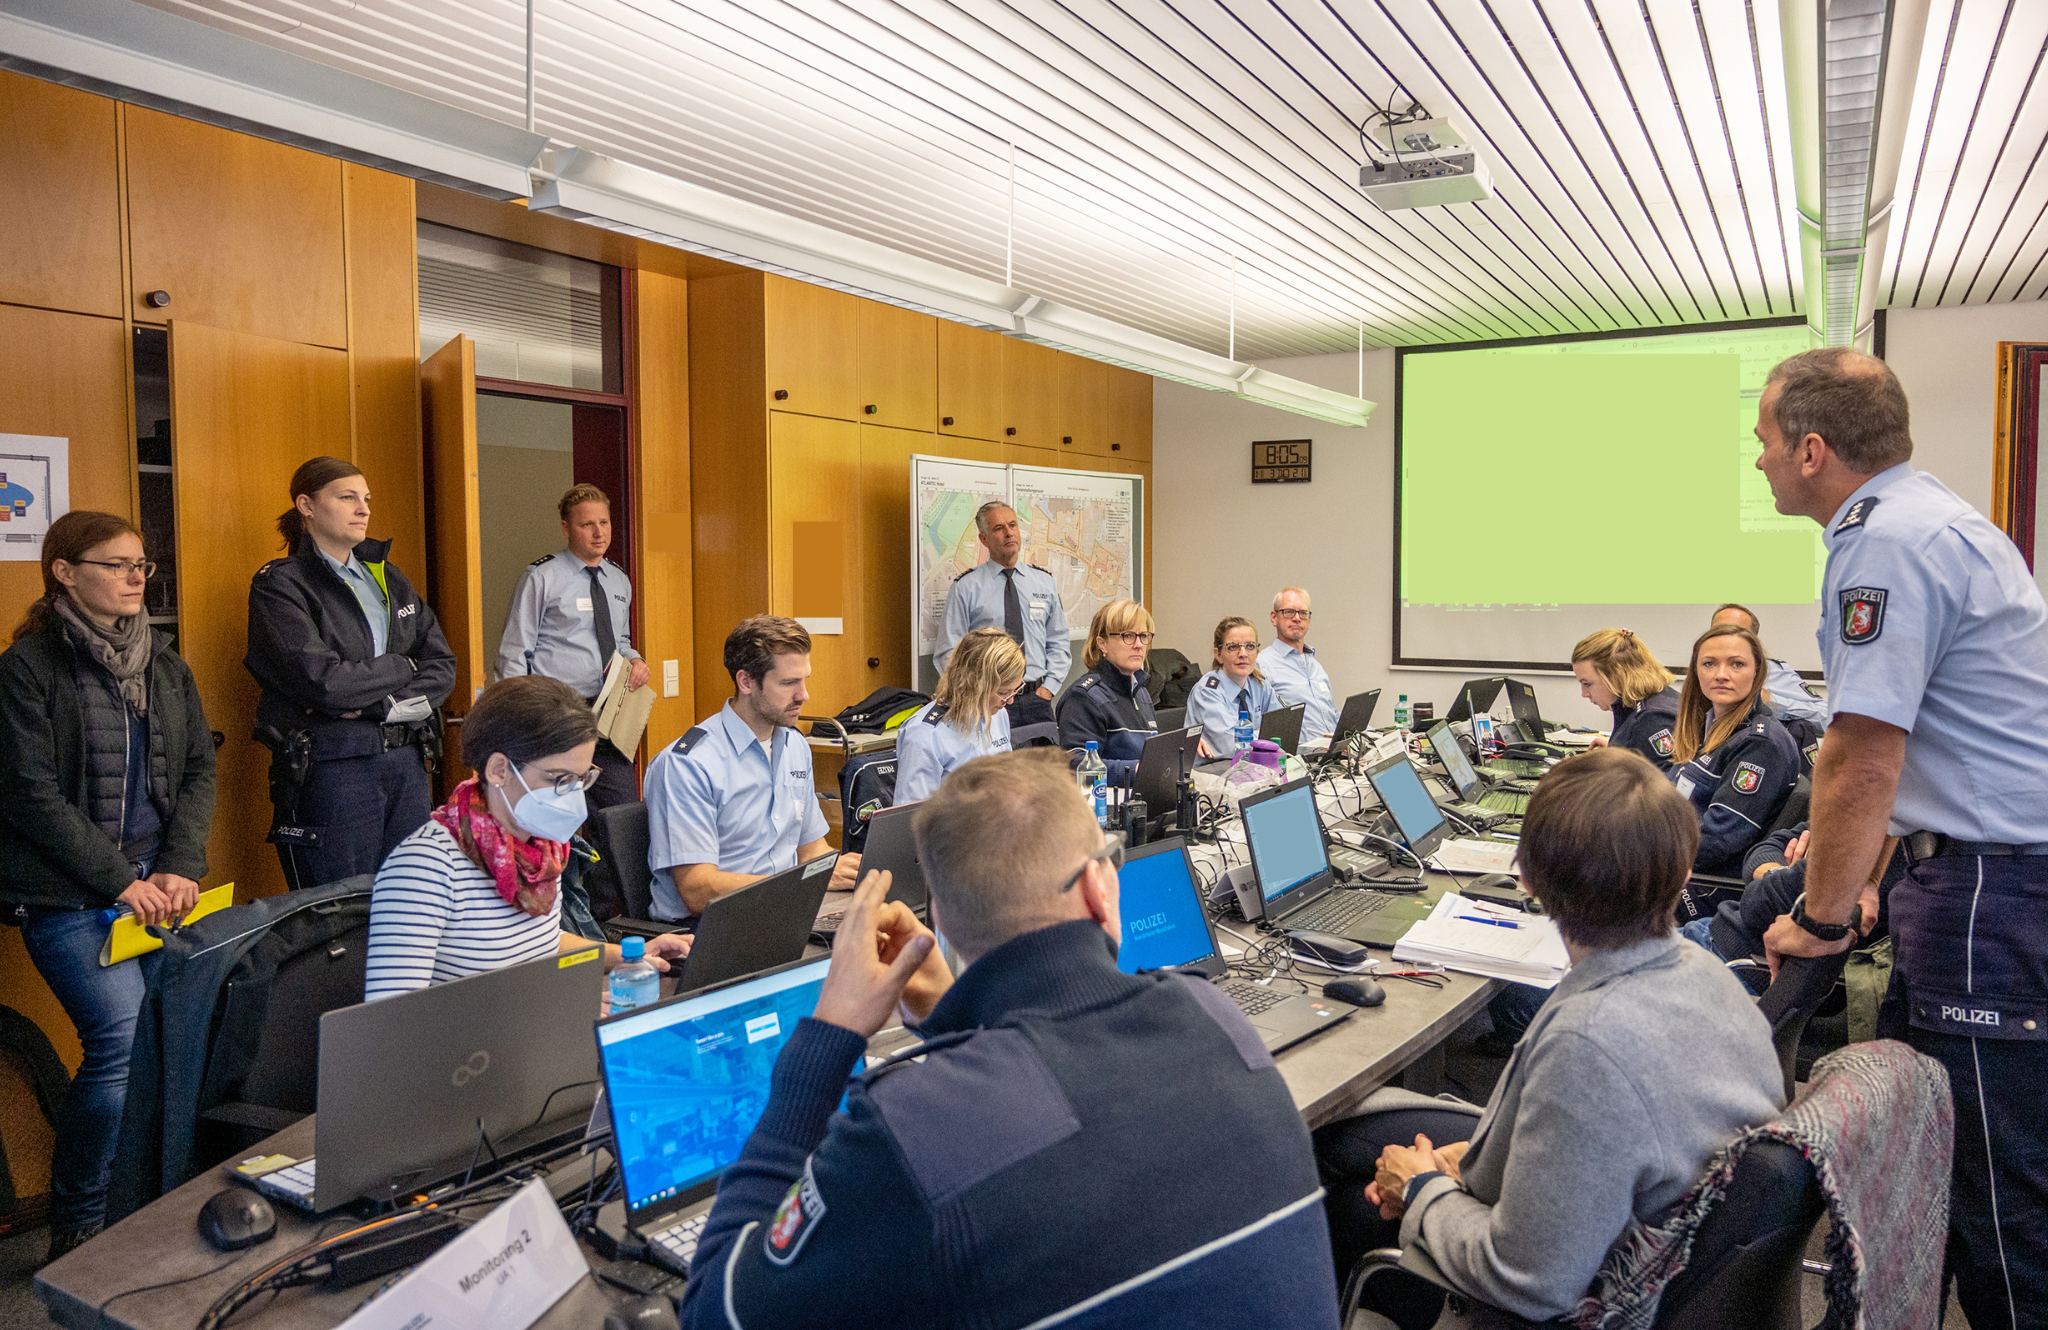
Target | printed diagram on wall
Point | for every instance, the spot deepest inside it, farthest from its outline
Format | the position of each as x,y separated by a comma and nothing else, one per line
1081,527
946,496
35,490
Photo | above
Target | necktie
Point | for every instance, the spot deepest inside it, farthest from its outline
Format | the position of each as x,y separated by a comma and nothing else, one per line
1244,700
1013,608
601,620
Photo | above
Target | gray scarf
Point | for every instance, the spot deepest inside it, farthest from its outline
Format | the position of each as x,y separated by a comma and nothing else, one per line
123,650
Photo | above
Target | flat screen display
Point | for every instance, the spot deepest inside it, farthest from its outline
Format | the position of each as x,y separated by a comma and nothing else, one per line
1286,840
1163,923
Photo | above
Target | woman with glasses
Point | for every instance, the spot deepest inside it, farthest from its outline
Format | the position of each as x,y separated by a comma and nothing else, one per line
1108,702
108,798
1235,686
481,885
965,718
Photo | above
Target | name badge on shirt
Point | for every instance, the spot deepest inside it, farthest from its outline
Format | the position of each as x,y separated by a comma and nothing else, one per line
583,603
1039,609
1685,787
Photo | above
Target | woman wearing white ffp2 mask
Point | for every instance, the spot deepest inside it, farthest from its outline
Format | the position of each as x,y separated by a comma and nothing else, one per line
481,885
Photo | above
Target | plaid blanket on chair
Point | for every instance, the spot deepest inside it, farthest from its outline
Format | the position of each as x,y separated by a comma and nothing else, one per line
1878,1126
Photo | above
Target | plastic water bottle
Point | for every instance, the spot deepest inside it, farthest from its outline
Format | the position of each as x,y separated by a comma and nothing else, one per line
1401,713
1093,777
636,983
1244,733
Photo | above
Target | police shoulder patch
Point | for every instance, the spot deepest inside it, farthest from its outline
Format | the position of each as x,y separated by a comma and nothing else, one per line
541,560
1812,752
1749,777
1040,567
1088,681
1215,681
1660,743
691,736
935,713
1859,513
1862,614
795,1220
970,570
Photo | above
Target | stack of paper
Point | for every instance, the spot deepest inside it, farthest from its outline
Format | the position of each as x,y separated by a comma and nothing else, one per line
1572,738
1474,856
621,715
1479,937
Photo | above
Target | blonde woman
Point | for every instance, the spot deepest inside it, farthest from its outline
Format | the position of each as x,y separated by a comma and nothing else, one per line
1617,673
1108,703
1236,684
965,718
1731,758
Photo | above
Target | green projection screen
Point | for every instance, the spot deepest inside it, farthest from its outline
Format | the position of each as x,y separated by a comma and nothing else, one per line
1548,489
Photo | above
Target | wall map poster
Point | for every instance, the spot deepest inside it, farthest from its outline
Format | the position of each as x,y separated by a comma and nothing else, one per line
35,490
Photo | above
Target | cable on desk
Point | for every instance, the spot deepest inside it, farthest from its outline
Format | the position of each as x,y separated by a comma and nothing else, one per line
100,1314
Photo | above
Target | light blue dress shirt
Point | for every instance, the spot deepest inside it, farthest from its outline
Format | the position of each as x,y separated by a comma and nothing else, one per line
1297,676
1212,704
551,626
376,608
928,746
976,601
1931,622
1789,697
716,796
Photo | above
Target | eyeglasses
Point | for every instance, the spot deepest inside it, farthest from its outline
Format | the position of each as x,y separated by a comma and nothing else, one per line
124,569
1135,639
570,782
1005,696
1236,647
1112,850
1303,615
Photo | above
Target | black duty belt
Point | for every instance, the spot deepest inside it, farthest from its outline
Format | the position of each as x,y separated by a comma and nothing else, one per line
400,736
1934,845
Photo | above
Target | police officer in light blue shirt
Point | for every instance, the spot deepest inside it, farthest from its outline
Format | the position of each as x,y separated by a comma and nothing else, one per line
1934,638
1791,698
1019,598
1234,685
732,801
965,718
570,612
1291,667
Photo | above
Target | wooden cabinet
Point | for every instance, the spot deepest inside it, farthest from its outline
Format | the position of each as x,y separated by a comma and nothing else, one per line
242,233
1130,415
1080,402
899,366
61,210
809,340
970,381
1030,372
814,543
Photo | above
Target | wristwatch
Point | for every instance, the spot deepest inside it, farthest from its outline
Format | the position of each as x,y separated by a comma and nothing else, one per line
1825,932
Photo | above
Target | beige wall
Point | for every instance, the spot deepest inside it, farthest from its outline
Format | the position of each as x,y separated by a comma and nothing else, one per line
525,459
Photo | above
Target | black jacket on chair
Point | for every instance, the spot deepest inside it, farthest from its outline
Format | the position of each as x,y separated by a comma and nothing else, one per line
61,846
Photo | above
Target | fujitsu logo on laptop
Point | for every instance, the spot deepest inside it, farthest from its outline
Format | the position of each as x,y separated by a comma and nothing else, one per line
477,1064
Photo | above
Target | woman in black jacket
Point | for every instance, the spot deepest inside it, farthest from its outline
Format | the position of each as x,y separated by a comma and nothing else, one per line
107,799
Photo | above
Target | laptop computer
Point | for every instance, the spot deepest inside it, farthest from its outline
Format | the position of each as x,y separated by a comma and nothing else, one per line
890,849
1356,718
1476,792
1420,822
1475,696
415,1088
1165,928
762,925
1165,758
1296,883
686,1080
1283,726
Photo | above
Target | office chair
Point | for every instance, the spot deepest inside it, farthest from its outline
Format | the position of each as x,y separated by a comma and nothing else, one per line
1171,718
1041,734
1797,805
620,834
1802,985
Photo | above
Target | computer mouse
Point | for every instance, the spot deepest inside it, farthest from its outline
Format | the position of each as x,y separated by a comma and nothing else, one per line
643,1313
1357,989
236,1218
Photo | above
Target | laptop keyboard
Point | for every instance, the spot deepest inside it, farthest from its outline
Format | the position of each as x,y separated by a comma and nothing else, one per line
1338,910
1251,999
1514,770
828,924
675,1245
293,1186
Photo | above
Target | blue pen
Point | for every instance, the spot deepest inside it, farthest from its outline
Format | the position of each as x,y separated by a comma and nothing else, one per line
1497,923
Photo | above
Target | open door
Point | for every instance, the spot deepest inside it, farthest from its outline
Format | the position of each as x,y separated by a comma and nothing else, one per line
454,532
245,412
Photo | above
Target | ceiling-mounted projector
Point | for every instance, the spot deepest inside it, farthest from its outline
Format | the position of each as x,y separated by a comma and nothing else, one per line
1432,162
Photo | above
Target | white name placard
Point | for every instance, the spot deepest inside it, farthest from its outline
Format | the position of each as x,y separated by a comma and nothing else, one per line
504,1273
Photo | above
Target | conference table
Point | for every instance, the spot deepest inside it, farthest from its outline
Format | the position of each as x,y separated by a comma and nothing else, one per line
1328,1075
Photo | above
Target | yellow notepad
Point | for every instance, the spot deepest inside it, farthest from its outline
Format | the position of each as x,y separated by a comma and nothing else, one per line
128,938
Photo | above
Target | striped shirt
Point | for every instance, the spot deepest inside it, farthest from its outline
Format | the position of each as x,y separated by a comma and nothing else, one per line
435,916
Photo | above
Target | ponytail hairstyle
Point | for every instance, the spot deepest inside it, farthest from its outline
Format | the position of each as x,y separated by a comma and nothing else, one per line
314,474
70,538
1691,736
1623,663
985,662
1223,631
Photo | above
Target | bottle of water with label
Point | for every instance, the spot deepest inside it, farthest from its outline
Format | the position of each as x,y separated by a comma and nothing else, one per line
1244,733
636,983
1093,778
1401,713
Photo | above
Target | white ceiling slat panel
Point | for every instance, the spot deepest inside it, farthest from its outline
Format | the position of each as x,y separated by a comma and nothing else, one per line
1639,148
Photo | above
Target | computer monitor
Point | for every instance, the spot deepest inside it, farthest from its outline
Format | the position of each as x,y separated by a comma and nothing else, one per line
1165,758
1286,840
1164,925
1415,813
687,1079
1356,718
1450,755
1475,696
1283,726
891,848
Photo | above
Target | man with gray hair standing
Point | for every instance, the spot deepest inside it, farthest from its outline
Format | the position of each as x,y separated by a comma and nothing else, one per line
1020,599
1290,665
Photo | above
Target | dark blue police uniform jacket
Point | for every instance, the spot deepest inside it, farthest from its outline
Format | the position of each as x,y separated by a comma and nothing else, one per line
1647,727
1115,710
1051,1152
1739,789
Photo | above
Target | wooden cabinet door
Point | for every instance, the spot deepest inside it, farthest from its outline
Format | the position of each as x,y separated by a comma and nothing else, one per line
242,233
1080,396
970,381
888,579
899,366
814,549
810,338
1130,414
455,580
61,210
1028,411
245,412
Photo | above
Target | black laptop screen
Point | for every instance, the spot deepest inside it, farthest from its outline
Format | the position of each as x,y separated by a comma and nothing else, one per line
1163,923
